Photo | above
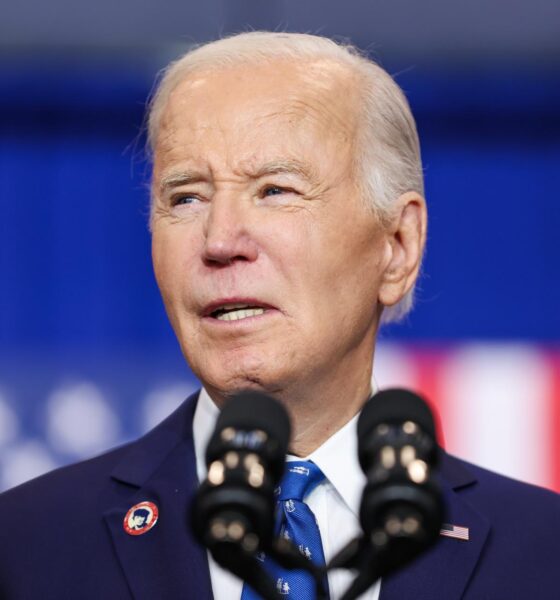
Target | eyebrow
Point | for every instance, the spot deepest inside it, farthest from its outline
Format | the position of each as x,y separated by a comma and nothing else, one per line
275,167
178,178
284,166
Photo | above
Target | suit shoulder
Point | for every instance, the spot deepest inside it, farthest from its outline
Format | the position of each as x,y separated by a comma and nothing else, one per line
65,486
81,483
486,476
506,497
55,518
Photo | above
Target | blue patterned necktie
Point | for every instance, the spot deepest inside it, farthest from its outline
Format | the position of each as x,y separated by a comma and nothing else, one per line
298,524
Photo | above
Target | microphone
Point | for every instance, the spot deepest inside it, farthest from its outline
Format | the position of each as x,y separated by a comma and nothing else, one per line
233,510
402,508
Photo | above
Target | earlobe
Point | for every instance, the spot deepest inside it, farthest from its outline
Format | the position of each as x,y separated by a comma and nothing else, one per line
407,235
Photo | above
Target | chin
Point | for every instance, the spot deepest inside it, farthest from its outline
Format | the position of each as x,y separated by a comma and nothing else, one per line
227,383
258,367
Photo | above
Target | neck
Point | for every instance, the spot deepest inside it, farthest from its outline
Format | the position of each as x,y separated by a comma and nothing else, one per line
317,411
316,418
319,407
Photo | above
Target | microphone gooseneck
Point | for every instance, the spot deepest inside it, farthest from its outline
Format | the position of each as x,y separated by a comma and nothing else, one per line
402,509
233,510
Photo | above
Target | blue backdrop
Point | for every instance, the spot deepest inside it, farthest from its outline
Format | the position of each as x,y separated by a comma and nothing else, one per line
74,249
79,306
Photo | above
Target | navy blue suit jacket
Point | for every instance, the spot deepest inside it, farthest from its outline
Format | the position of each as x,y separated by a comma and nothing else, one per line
62,535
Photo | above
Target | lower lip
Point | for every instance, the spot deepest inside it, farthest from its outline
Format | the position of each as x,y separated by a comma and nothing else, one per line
247,321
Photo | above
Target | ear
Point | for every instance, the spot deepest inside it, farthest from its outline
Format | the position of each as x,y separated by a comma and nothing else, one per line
406,236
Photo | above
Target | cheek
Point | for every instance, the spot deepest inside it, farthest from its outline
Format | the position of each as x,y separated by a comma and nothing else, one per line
170,260
347,268
328,251
160,262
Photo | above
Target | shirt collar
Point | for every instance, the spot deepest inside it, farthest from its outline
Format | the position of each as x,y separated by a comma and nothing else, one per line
337,457
204,421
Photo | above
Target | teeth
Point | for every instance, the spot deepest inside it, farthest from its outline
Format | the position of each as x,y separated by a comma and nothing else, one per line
232,306
242,313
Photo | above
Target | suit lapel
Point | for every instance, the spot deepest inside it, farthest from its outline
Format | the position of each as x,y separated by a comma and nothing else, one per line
165,562
445,570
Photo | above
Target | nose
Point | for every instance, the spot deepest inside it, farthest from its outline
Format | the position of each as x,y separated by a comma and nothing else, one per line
226,233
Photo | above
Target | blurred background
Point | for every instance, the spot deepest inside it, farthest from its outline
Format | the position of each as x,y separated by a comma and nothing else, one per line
87,357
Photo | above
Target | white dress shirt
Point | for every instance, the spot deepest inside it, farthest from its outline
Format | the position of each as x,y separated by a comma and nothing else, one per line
335,502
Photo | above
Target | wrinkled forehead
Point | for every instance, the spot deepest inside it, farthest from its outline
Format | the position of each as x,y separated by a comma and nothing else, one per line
319,93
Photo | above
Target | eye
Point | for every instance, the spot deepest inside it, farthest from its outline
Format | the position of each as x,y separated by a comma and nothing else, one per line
273,190
276,190
184,199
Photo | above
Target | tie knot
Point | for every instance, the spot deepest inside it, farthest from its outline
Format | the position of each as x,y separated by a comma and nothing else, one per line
300,478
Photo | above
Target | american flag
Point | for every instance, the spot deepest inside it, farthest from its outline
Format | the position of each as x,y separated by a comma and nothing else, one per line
454,531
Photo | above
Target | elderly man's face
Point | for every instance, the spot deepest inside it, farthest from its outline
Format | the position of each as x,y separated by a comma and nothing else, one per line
138,521
268,263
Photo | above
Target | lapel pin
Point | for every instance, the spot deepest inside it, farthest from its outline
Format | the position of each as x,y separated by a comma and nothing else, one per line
140,518
454,531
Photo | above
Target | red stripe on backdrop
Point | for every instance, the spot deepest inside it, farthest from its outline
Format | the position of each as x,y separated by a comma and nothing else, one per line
555,420
432,380
429,364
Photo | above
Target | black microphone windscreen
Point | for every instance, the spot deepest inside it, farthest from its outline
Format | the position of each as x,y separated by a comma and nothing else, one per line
392,407
249,411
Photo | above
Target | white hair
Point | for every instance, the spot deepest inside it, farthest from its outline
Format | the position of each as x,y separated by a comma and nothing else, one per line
387,152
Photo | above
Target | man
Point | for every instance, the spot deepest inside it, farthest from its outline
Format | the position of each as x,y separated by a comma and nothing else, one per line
288,221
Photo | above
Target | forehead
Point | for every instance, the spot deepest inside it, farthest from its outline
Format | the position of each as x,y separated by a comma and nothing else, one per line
295,104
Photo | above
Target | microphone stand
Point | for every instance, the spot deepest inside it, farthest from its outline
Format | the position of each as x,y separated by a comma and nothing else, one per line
245,565
288,556
361,556
247,568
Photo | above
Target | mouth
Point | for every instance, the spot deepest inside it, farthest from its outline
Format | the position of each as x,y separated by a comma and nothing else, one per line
236,311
